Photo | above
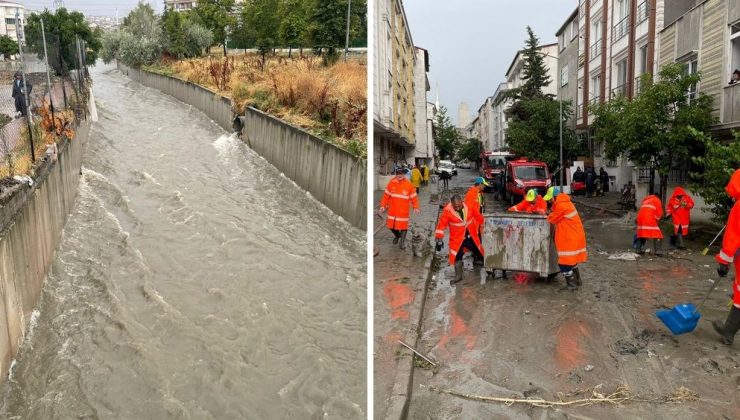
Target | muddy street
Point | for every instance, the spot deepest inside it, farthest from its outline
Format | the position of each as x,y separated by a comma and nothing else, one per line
524,338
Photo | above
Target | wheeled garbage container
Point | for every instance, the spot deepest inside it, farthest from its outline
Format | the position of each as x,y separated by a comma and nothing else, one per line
519,242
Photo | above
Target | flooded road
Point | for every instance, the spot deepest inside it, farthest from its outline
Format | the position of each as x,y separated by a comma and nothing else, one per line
193,280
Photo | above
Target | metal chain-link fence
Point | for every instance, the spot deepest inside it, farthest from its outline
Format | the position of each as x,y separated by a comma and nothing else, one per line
55,102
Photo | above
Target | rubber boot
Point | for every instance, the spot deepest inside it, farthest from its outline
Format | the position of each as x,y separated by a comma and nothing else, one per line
730,327
657,252
570,280
640,246
396,236
577,276
402,242
679,241
458,272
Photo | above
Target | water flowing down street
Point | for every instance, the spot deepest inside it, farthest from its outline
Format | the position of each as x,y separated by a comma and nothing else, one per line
193,280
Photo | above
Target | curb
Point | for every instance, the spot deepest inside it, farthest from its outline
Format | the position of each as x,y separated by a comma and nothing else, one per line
404,382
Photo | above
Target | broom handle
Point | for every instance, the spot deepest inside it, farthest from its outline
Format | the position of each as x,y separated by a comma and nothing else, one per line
711,289
715,238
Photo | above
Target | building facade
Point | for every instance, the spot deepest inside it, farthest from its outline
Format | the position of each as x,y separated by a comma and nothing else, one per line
8,11
180,5
394,116
567,74
424,142
463,115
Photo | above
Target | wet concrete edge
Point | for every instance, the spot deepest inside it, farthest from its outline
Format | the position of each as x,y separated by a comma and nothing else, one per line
404,381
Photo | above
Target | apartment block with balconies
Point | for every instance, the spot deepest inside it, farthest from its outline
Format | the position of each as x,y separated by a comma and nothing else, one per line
394,111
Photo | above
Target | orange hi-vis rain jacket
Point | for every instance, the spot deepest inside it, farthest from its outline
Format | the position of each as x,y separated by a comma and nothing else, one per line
398,198
651,210
473,199
471,221
680,210
731,238
570,238
539,206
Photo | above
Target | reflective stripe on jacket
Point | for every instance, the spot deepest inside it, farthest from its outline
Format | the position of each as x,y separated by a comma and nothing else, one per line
451,218
570,238
398,198
651,210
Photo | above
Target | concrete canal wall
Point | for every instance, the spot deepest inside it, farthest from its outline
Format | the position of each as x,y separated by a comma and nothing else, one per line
31,224
330,174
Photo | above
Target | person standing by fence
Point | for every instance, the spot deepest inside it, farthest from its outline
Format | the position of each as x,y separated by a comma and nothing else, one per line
19,94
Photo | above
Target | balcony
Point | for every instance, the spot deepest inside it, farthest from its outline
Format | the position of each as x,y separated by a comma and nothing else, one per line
620,90
595,50
621,28
592,103
731,104
642,12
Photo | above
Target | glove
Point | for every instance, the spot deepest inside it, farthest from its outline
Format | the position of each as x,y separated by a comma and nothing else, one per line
723,269
439,245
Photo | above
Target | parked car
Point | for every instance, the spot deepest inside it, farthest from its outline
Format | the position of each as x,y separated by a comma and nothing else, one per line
523,175
450,167
464,164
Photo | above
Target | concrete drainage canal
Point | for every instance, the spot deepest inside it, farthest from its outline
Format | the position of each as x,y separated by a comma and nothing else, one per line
193,280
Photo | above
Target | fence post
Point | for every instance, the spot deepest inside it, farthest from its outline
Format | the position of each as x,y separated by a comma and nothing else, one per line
29,118
48,79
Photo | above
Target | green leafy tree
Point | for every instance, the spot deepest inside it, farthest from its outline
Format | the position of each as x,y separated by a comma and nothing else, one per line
716,164
293,24
260,17
534,118
470,150
327,26
173,34
656,128
62,30
446,136
8,46
143,22
217,16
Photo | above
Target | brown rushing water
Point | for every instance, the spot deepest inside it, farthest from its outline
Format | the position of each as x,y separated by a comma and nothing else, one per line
193,280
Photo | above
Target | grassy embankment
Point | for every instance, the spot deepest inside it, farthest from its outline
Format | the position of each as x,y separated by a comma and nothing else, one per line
330,102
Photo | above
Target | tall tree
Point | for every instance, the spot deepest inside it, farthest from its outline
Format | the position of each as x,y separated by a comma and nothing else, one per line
327,26
8,46
62,29
218,16
534,118
446,136
293,23
143,21
261,18
470,150
714,168
656,129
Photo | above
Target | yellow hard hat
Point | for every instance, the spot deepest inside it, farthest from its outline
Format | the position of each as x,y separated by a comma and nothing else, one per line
531,195
552,192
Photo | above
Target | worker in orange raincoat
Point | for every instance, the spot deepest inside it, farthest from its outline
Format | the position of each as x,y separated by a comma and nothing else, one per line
726,256
398,198
570,238
463,223
532,203
474,196
679,208
650,213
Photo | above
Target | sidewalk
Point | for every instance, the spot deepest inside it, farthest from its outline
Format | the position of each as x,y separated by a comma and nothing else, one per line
400,282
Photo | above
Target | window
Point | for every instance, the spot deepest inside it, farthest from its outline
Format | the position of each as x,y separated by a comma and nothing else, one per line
735,48
574,29
642,12
620,28
561,40
596,36
564,75
691,68
10,21
595,89
620,9
643,57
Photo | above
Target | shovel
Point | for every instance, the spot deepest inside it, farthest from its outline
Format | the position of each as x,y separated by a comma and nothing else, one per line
683,318
706,250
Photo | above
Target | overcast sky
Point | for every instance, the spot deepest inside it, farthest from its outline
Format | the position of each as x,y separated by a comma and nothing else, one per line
472,42
94,7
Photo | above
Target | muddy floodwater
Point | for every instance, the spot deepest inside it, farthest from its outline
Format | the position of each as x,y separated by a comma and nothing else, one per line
193,280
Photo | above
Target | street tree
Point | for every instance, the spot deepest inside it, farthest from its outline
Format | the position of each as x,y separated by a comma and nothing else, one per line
143,22
139,40
8,46
293,24
261,19
62,30
534,118
469,150
656,129
327,27
714,168
183,38
217,16
446,136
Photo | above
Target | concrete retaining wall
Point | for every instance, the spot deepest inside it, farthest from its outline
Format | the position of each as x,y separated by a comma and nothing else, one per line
31,224
330,174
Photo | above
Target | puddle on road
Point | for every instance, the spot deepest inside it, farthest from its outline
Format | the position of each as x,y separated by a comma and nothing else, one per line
570,351
398,295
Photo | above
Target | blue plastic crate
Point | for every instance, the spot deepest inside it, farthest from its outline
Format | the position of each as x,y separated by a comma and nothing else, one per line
680,319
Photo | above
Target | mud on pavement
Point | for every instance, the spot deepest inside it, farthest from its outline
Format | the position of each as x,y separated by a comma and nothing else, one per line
529,339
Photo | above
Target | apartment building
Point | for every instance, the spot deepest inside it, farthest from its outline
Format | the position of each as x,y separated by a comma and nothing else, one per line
394,112
424,138
8,10
567,81
180,5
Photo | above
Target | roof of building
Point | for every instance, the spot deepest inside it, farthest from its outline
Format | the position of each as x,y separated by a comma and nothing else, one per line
567,22
511,66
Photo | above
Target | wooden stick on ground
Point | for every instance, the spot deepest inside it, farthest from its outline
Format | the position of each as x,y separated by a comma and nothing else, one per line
417,353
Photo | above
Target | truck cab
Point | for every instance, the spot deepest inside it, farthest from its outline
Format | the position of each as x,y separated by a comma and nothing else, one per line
522,175
493,165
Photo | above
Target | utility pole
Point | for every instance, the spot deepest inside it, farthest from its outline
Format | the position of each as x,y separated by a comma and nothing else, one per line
349,20
29,119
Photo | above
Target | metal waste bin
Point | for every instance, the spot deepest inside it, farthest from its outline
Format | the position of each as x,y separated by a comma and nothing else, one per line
519,242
